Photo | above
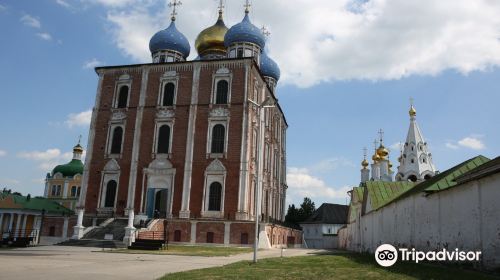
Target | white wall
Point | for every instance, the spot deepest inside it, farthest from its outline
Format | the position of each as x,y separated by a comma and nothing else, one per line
466,217
314,235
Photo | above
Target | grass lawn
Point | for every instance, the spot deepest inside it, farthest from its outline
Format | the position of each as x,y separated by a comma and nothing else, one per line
204,251
342,266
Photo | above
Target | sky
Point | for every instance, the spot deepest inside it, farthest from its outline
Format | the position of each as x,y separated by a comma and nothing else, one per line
349,68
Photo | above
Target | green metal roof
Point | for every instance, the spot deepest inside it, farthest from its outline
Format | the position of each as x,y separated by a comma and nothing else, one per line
446,179
69,169
382,193
12,201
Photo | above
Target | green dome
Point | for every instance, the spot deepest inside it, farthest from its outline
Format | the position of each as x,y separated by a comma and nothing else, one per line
69,169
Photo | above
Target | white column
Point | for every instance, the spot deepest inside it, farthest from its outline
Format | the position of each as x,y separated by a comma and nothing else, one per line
185,213
65,189
90,143
193,232
18,223
243,211
24,223
227,232
78,229
136,144
130,229
11,221
65,228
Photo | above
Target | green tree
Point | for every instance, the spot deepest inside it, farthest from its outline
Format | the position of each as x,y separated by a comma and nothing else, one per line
296,215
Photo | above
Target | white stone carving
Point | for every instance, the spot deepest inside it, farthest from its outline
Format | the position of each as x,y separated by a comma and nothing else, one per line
118,115
216,166
223,71
165,113
169,74
124,77
219,112
112,165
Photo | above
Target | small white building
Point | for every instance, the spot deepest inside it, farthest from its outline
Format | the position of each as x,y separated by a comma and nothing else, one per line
321,229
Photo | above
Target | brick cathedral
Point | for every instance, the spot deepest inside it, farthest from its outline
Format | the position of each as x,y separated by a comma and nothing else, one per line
179,140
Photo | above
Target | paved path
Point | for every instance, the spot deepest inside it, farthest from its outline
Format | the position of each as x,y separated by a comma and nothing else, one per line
67,263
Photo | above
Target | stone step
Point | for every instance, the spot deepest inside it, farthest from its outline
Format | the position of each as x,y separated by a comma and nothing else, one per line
93,243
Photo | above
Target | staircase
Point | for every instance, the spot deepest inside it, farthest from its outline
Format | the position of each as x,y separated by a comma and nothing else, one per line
95,237
146,244
116,228
94,243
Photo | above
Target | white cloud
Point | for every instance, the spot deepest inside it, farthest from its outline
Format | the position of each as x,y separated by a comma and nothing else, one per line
49,154
90,64
79,119
31,21
44,36
3,153
302,184
452,146
48,159
471,142
337,40
115,3
63,3
7,182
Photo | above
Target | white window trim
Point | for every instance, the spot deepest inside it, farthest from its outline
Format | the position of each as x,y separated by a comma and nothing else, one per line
211,124
217,77
163,82
104,187
109,141
159,124
124,80
212,177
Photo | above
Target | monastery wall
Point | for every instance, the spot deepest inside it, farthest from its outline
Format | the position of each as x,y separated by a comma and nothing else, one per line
464,217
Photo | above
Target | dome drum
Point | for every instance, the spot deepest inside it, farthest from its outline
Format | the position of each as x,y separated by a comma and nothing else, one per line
167,56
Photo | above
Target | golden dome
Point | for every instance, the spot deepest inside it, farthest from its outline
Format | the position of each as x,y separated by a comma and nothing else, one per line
212,38
364,163
382,152
413,111
390,165
376,157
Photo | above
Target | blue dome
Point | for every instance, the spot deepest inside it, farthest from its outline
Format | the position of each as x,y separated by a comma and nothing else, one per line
244,31
269,67
170,39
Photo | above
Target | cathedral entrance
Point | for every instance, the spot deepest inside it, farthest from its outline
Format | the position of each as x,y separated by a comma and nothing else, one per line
161,199
157,203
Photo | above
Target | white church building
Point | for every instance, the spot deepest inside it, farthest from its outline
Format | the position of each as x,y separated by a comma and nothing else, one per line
423,208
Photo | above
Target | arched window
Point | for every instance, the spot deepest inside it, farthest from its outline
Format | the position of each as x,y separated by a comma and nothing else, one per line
110,194
218,137
163,140
168,94
222,91
116,142
123,97
412,178
215,196
73,191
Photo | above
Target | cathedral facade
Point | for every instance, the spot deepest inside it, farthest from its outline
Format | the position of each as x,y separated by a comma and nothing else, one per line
180,140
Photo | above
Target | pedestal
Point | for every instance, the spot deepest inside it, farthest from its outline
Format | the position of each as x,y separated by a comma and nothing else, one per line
185,214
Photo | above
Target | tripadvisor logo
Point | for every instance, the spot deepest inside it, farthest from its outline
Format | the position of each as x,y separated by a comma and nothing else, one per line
387,255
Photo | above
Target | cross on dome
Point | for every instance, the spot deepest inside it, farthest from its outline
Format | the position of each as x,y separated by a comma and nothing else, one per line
265,32
247,6
381,133
174,4
221,6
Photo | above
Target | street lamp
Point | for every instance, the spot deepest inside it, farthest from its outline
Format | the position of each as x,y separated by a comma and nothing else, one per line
268,103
